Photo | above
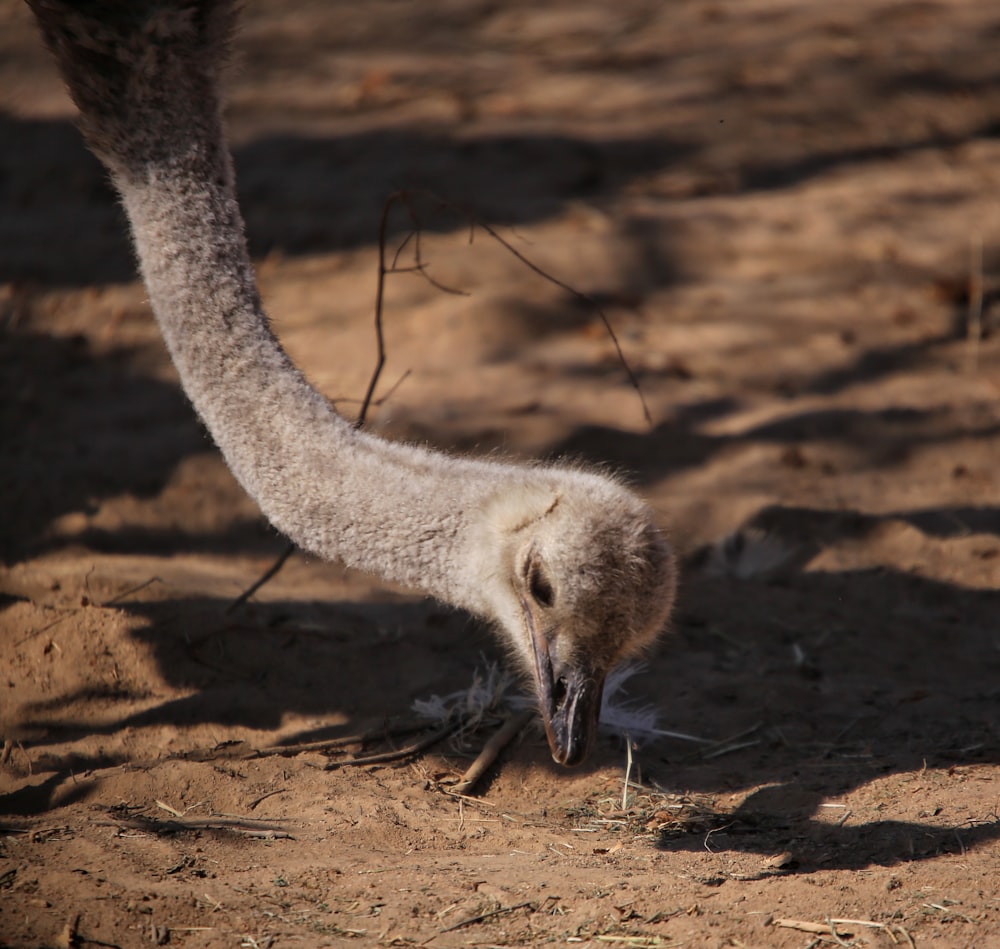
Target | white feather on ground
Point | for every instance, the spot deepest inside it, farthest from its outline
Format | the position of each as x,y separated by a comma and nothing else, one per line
492,693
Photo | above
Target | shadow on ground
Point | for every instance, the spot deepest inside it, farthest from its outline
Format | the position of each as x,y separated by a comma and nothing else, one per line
870,693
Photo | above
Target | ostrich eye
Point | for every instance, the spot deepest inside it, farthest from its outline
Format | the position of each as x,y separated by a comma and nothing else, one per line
539,585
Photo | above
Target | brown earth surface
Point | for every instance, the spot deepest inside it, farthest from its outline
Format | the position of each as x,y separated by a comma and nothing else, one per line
790,212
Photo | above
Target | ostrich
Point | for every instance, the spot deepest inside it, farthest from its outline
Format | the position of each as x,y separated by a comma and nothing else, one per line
567,564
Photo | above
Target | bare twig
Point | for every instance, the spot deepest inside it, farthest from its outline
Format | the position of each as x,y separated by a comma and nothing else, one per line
258,800
178,825
405,198
261,580
382,398
805,926
729,749
69,938
501,738
835,936
379,295
584,298
41,629
141,586
484,916
414,748
331,744
169,809
900,931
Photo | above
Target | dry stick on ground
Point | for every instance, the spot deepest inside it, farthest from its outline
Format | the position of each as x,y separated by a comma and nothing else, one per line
261,580
259,800
507,732
405,198
232,750
153,826
414,748
70,935
67,613
127,593
805,926
331,744
828,930
484,916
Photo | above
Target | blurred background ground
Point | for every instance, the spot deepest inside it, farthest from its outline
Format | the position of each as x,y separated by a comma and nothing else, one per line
789,212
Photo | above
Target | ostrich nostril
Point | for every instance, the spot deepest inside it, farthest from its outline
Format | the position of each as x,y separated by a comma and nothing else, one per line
559,692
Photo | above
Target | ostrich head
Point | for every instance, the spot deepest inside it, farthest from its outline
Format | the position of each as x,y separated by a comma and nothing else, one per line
579,580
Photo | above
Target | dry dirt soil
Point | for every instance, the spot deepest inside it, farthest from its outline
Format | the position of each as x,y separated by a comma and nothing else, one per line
790,213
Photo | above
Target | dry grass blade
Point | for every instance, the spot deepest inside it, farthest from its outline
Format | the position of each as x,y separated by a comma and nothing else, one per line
729,749
733,743
651,813
628,771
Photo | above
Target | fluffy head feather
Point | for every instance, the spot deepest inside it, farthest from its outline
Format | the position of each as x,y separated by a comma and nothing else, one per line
579,578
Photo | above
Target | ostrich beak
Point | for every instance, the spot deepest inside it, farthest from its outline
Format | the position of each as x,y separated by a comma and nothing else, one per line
569,697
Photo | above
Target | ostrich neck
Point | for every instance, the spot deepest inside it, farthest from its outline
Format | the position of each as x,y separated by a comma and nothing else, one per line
397,511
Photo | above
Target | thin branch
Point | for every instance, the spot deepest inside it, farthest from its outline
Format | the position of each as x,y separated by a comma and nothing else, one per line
392,389
406,199
332,744
507,732
806,926
418,259
153,826
141,586
379,297
41,629
585,298
414,748
484,916
261,580
415,233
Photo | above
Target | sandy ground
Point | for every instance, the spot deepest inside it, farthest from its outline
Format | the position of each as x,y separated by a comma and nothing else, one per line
789,211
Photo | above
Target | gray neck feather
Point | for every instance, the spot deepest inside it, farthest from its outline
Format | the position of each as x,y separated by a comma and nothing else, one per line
401,512
145,77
